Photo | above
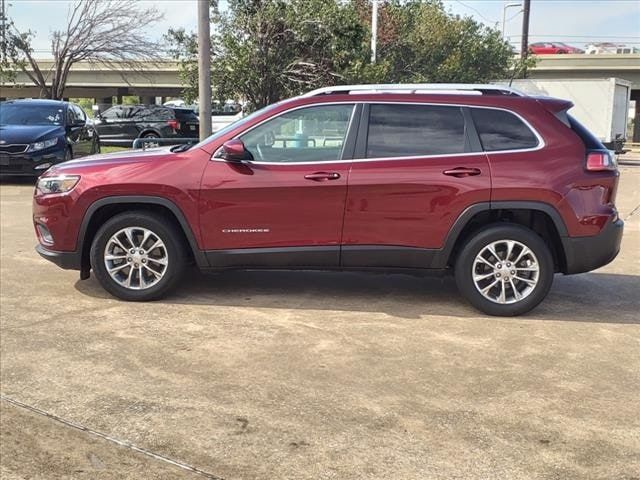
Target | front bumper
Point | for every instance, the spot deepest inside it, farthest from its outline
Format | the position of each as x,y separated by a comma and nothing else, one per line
65,260
25,164
584,254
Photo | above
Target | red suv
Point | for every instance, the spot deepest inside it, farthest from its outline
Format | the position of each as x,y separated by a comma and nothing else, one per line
503,189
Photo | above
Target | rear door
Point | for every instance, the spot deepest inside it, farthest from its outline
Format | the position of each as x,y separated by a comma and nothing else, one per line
416,169
286,206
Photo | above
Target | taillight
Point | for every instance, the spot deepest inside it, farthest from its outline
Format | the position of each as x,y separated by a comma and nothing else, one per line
601,161
175,124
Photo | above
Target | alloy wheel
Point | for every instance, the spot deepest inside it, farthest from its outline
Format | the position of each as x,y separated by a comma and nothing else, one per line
505,271
136,258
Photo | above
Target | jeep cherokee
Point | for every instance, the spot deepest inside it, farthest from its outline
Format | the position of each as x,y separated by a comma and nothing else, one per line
502,189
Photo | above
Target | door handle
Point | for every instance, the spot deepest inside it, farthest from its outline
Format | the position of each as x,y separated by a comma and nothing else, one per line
322,176
461,172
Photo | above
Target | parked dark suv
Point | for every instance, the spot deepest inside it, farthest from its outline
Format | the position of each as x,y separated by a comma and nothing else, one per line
36,134
122,124
502,189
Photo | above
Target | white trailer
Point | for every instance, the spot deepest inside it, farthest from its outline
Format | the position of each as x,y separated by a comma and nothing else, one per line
601,105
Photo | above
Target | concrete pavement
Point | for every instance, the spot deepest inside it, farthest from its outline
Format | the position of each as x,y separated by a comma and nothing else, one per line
279,375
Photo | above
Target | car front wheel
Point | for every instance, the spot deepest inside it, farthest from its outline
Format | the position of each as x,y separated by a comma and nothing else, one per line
505,270
138,256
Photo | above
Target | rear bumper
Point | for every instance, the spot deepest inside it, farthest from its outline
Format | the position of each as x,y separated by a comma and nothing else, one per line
65,260
584,254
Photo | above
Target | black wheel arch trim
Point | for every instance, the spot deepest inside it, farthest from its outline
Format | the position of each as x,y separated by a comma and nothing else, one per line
440,258
199,256
465,217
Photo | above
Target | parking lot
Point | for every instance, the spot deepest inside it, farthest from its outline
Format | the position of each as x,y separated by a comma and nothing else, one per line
302,375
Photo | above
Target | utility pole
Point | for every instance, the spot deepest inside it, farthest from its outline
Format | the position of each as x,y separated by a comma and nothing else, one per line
374,30
204,68
524,44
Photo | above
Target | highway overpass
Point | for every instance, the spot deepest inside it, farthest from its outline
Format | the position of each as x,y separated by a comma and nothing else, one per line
162,79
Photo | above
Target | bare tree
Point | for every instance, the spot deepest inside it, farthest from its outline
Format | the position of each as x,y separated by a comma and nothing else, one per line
106,32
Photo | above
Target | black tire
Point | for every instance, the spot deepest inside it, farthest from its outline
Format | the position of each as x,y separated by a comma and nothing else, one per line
68,155
464,269
150,136
165,231
95,147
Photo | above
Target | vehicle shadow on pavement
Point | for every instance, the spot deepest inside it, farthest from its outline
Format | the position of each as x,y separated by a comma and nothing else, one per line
591,297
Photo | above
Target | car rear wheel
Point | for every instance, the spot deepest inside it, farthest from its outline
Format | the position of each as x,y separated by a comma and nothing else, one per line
151,143
137,256
505,270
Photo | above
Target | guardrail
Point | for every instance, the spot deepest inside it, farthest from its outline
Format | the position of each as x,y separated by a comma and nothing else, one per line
145,143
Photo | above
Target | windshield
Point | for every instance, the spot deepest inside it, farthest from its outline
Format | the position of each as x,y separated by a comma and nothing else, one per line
236,124
23,114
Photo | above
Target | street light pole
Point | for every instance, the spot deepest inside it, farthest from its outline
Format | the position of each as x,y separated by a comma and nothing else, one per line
504,15
374,30
204,68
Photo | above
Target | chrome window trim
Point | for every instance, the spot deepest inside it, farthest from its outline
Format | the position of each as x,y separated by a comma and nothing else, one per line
540,146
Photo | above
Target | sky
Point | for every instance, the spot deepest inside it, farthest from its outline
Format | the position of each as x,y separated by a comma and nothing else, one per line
577,22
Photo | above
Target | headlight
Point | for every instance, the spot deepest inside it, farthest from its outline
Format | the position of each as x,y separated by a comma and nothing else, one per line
34,147
58,184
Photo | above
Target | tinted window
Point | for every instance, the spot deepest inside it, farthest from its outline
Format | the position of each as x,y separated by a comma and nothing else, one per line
413,130
185,115
501,130
314,134
154,113
113,113
78,113
24,114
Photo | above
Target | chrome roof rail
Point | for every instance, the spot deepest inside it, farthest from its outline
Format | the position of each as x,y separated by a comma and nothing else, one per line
426,88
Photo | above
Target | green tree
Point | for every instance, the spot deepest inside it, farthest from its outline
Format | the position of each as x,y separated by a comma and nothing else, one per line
183,47
266,50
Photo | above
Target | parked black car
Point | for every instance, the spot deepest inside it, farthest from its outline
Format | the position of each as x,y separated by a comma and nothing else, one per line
36,134
122,124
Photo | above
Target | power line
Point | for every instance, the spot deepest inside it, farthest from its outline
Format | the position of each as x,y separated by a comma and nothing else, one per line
477,11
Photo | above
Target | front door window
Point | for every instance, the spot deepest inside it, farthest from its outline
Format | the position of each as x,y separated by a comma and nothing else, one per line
313,134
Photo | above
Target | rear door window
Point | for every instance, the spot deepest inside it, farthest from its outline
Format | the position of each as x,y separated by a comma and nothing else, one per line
404,130
156,113
502,130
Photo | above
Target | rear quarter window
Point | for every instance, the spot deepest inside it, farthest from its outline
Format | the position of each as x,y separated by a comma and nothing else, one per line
502,130
185,115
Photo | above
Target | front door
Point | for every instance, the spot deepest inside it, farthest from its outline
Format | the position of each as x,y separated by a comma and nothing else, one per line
417,173
285,207
110,125
77,131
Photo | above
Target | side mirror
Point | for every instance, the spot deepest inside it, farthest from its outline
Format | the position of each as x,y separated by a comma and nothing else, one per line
234,151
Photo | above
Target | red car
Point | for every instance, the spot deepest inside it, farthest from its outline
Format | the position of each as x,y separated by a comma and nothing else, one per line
552,48
502,189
